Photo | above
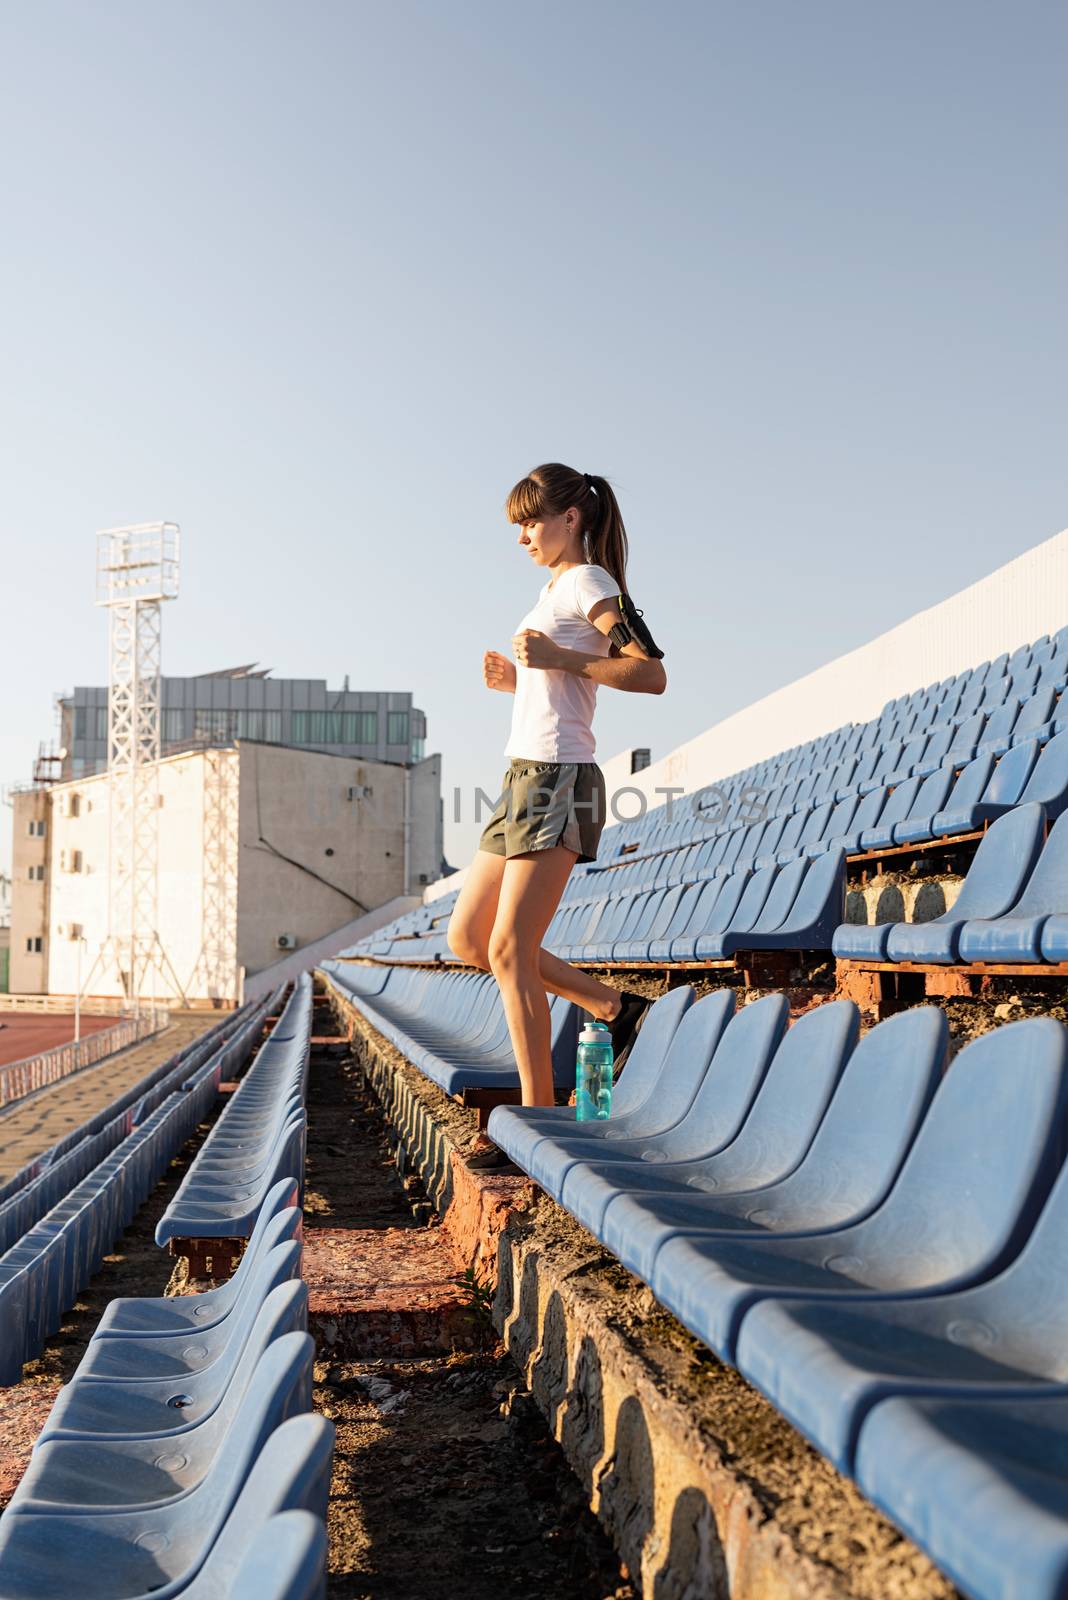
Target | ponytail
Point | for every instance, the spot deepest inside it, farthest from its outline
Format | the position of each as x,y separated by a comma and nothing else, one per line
603,532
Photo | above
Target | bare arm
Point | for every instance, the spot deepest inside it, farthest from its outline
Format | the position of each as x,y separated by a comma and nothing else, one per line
633,671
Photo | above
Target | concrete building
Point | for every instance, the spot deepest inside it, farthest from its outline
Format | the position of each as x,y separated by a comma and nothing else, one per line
5,932
245,703
30,882
263,848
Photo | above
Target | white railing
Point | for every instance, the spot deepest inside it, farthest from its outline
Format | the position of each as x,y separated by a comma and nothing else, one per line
35,1072
97,1005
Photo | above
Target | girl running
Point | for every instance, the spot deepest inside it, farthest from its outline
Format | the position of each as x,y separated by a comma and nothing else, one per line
553,805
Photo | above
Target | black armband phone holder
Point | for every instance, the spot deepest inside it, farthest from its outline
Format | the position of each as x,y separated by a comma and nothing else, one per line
632,627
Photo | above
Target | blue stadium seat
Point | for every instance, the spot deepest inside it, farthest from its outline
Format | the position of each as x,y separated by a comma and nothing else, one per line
863,818
982,1486
519,1129
451,1025
965,1201
131,1392
194,1546
279,1221
854,1157
930,798
1016,936
713,914
1003,862
286,1562
686,913
757,1142
1048,784
94,1476
825,1365
1035,720
258,1140
547,1154
967,790
896,807
816,908
1003,790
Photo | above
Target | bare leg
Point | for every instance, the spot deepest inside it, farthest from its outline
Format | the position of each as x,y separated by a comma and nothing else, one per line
529,895
471,925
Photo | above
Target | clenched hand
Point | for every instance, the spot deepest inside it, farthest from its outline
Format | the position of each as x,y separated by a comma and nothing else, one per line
498,672
534,649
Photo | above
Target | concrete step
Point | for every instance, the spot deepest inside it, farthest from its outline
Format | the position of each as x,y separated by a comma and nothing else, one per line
387,1292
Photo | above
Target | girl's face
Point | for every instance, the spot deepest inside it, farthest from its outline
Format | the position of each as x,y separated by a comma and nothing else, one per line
549,540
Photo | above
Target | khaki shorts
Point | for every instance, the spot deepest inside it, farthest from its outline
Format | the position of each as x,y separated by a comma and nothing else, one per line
545,803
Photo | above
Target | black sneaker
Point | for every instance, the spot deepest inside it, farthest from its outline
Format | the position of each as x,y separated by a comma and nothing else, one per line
624,1027
490,1158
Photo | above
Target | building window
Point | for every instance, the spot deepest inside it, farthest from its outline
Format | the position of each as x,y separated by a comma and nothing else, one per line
172,724
214,724
34,946
418,749
397,727
90,724
37,828
359,727
36,874
321,727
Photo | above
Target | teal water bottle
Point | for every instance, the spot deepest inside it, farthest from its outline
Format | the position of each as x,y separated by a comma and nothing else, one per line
593,1073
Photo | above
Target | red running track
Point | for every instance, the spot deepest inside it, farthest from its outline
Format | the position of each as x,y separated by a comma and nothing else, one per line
28,1034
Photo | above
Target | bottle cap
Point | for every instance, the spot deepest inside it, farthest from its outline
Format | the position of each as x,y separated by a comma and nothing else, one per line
595,1033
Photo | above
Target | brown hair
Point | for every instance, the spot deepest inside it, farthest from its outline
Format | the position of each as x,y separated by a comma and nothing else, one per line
548,491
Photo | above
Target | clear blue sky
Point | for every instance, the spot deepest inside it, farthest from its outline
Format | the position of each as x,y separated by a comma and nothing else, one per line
319,281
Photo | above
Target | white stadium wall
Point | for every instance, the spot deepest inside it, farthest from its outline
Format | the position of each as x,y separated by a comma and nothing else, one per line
1021,601
1018,603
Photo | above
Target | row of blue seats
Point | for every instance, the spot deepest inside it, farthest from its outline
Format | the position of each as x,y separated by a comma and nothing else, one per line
797,906
58,1174
40,1275
853,760
875,1242
956,791
941,804
689,909
1012,906
937,763
992,688
451,1025
190,1057
180,1459
259,1138
47,1260
883,768
793,907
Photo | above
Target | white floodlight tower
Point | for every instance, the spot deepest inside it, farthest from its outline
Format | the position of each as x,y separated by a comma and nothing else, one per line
136,571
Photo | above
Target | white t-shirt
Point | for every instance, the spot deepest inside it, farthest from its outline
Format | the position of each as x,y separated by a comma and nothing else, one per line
552,718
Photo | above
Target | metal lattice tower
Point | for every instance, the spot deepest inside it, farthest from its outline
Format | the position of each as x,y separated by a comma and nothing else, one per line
215,971
136,571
